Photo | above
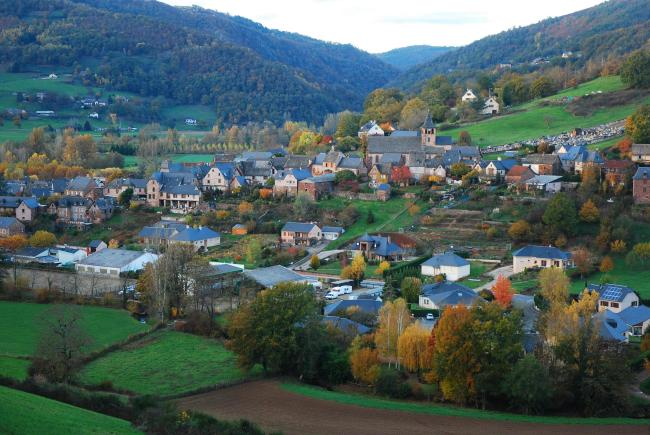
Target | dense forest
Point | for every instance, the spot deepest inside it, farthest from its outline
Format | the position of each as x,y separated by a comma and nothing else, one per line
407,57
614,28
191,55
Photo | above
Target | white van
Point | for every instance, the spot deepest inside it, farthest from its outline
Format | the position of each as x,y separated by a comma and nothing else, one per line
345,289
332,294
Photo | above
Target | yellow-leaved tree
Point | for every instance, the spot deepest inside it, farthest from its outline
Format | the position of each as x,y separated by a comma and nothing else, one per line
394,317
413,348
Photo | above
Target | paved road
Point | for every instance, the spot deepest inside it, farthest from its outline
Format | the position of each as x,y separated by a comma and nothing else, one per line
506,271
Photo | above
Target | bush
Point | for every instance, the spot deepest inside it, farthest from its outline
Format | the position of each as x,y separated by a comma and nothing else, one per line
42,296
391,383
200,323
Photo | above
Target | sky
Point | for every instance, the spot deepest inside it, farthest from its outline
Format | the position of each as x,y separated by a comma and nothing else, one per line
380,25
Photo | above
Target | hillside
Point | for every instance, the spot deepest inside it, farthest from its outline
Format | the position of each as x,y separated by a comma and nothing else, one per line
613,27
190,55
406,57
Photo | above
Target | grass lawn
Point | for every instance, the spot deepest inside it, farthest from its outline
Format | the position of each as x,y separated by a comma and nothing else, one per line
637,279
434,409
133,161
19,326
476,269
530,121
387,214
166,363
14,367
196,111
25,414
598,146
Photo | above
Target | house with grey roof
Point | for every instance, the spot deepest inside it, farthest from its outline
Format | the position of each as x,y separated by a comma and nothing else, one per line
540,257
300,233
82,212
175,190
85,187
335,161
332,233
442,294
116,187
168,232
286,181
544,183
543,164
620,326
112,262
345,325
614,297
377,247
452,266
24,209
267,277
371,306
10,226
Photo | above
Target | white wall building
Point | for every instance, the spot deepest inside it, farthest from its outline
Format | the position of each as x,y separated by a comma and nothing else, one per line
115,261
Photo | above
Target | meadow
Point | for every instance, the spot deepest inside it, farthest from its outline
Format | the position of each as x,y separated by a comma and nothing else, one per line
637,279
27,414
166,363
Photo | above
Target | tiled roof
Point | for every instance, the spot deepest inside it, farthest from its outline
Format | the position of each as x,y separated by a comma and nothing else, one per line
7,221
271,276
446,259
364,305
195,234
450,293
548,252
300,227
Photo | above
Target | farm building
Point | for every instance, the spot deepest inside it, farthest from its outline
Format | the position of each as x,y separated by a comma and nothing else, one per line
115,261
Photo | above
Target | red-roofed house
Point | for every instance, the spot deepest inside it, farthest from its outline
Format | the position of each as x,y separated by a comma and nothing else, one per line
518,174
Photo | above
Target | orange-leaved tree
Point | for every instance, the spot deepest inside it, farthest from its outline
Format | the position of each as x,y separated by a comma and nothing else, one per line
502,291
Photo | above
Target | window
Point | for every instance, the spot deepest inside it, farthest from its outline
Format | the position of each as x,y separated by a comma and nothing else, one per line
635,303
637,330
614,304
604,304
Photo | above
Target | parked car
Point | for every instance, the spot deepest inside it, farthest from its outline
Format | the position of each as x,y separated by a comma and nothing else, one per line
430,316
332,294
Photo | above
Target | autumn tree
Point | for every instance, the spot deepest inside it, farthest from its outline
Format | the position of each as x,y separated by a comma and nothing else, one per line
589,212
464,138
459,169
394,317
583,260
356,270
382,267
42,239
314,262
639,256
637,126
364,361
502,291
245,208
520,230
12,244
554,285
606,264
303,205
400,175
266,330
635,71
412,114
413,348
410,288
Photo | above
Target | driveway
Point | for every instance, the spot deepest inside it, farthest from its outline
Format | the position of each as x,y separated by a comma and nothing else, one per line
506,271
303,263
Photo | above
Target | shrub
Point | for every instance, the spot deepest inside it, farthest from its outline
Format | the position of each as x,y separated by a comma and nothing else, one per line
391,383
42,296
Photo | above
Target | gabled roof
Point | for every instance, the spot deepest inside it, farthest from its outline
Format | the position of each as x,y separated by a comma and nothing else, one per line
541,159
337,230
364,305
641,148
543,180
610,292
113,258
351,163
618,164
72,201
183,189
271,276
635,315
296,161
448,259
394,158
450,293
346,325
95,243
299,227
156,233
195,234
504,165
380,245
548,252
367,126
31,251
7,221
80,183
642,173
393,144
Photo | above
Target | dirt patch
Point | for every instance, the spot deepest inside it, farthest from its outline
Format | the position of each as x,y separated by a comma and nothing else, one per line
274,409
587,105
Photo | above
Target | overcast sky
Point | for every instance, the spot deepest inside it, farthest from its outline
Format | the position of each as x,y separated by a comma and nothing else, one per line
381,25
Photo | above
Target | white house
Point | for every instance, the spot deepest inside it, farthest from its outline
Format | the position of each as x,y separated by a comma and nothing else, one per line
491,107
70,254
190,121
449,264
442,294
115,261
370,128
469,97
535,257
332,233
620,326
94,115
614,297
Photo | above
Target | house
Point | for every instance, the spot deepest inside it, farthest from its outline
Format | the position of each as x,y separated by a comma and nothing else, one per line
640,153
544,183
543,164
614,297
383,192
190,121
268,277
84,187
24,209
31,254
618,171
449,264
468,97
442,294
490,107
371,306
633,321
332,233
588,159
286,182
317,187
534,257
102,209
175,190
378,248
116,187
93,115
641,186
96,246
299,233
201,238
80,212
10,226
370,128
347,326
67,255
498,169
115,261
255,171
336,161
239,230
518,174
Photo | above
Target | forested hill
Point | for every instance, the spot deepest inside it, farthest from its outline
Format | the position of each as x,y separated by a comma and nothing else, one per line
613,27
191,55
407,57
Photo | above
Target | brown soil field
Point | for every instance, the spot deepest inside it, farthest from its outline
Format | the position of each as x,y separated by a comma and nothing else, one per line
274,409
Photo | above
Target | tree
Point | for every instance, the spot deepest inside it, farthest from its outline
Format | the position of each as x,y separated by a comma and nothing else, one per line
411,116
541,87
639,256
583,260
364,362
12,244
356,270
125,197
113,243
589,212
464,138
266,330
637,126
42,239
62,344
345,175
303,205
413,348
314,262
560,214
410,288
519,231
382,267
245,208
371,217
348,124
459,169
394,317
635,71
400,175
502,291
606,265
527,386
554,285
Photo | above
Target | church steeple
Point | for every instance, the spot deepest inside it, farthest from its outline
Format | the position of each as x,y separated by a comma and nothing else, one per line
428,131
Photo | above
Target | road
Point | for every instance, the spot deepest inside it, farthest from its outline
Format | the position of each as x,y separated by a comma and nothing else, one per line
506,271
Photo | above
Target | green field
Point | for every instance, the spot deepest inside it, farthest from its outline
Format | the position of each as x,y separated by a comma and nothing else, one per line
131,161
20,329
26,414
638,280
476,270
529,120
198,112
432,409
166,363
